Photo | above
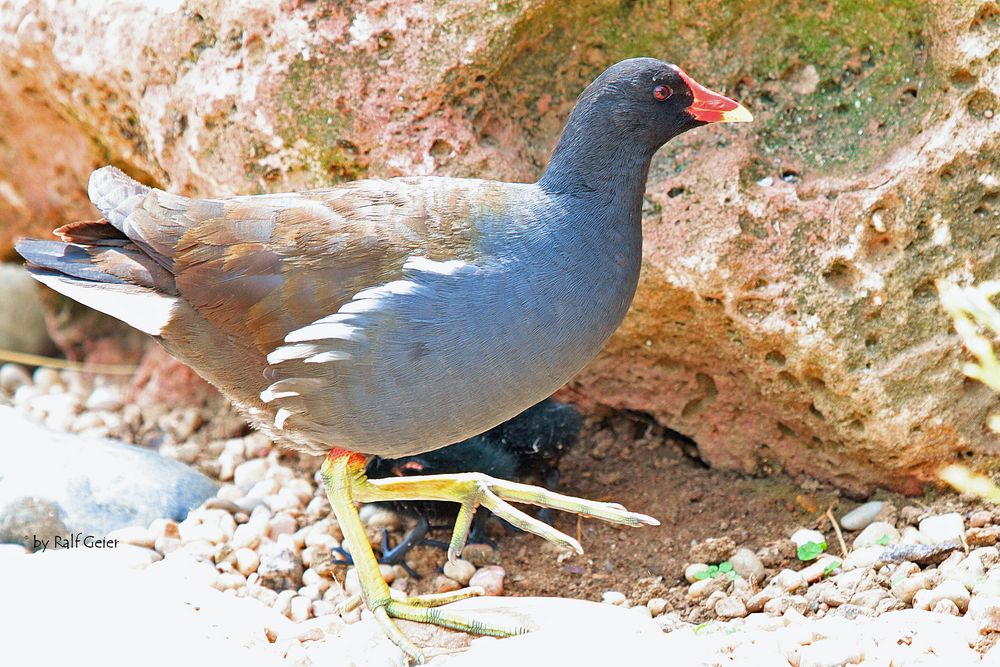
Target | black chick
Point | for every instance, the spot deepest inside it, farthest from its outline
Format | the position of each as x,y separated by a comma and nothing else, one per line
526,448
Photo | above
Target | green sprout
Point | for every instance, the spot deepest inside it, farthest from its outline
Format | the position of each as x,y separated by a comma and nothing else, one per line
830,567
884,540
713,571
811,550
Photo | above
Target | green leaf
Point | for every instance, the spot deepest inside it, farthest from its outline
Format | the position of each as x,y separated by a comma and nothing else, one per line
884,540
701,575
811,550
830,567
725,566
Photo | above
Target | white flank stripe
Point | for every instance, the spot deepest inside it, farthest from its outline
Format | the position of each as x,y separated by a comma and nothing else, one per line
270,394
321,330
281,417
288,352
324,357
430,266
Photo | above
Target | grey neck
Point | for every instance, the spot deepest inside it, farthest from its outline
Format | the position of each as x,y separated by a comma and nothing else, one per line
590,164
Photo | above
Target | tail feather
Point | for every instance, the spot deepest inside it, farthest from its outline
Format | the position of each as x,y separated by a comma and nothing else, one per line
115,194
108,264
71,260
91,232
142,308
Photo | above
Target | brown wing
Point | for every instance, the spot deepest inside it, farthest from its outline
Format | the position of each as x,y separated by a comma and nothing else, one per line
259,267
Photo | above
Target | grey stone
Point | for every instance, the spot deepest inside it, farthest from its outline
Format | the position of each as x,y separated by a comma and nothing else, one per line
22,320
60,484
861,516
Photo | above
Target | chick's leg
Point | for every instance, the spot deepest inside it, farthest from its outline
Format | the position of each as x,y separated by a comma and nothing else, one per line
344,476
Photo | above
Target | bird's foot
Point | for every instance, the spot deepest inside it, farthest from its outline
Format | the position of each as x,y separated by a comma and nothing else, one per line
423,609
344,478
471,490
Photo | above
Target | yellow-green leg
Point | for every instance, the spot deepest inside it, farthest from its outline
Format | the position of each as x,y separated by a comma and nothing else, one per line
343,474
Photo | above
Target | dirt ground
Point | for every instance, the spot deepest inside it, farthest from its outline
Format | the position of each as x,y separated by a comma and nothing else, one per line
625,457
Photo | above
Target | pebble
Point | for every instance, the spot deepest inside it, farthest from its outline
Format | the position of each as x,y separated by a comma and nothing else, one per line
700,590
984,610
247,535
323,607
911,535
852,611
230,580
692,571
861,516
906,587
299,608
376,517
45,379
730,606
282,603
265,595
656,606
460,570
805,536
311,577
922,554
910,515
614,597
946,607
822,566
279,568
490,578
12,378
780,605
878,533
105,398
311,592
980,518
747,565
712,550
990,585
968,570
480,554
943,527
444,584
248,474
282,523
863,558
984,536
946,590
870,598
213,526
247,561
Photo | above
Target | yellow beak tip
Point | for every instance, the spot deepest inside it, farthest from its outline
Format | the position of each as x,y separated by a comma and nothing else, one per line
738,115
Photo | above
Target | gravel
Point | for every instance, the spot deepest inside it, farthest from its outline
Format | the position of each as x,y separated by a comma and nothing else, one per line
267,537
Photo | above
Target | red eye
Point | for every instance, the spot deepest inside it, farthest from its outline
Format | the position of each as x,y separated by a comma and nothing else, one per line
662,92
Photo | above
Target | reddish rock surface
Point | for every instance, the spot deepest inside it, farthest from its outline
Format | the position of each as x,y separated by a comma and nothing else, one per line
786,317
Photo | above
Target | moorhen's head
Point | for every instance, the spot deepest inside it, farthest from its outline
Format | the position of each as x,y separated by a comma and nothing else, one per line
626,115
648,102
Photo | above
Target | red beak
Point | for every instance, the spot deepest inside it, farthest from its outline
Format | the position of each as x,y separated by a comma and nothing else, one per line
709,106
